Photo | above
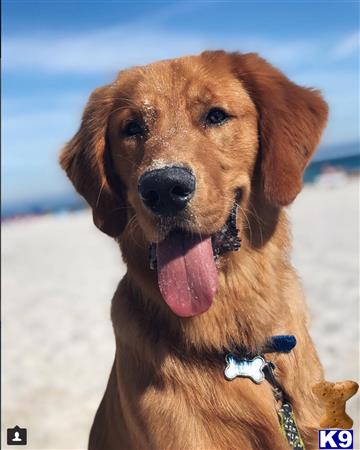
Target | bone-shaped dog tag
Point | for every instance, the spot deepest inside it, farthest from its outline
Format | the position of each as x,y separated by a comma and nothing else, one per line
249,368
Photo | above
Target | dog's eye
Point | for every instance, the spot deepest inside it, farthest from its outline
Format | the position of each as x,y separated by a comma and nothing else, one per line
133,128
216,116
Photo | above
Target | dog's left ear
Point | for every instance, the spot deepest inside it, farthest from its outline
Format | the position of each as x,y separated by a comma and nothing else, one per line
86,160
290,119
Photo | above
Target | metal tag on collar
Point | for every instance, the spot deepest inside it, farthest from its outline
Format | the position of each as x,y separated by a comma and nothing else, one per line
246,368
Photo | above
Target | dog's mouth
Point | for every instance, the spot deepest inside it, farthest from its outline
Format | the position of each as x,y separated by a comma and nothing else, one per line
186,266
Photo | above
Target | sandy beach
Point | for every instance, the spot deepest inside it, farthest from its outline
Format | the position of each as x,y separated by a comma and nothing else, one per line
59,274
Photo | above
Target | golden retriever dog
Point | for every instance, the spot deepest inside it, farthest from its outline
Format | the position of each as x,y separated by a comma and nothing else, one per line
188,164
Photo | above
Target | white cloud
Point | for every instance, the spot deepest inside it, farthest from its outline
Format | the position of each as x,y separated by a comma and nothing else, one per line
31,102
108,50
347,46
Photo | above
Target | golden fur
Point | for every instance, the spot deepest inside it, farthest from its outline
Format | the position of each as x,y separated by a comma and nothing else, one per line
166,389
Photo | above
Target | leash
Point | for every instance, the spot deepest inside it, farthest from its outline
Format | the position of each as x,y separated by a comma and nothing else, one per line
259,369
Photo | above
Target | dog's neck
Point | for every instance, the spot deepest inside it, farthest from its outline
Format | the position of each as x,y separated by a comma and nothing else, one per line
240,313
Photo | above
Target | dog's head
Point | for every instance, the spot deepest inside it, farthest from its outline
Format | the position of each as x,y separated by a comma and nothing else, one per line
166,150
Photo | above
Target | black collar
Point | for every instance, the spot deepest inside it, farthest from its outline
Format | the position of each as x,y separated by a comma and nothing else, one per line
282,343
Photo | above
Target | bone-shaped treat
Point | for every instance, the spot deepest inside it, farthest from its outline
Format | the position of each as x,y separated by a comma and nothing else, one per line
333,397
249,368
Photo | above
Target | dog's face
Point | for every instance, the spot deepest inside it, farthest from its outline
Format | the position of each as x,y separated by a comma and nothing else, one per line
172,146
182,138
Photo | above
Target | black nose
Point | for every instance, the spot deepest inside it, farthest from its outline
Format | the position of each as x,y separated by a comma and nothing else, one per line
167,190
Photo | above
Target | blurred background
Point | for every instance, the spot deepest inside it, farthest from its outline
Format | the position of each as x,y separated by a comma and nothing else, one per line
59,272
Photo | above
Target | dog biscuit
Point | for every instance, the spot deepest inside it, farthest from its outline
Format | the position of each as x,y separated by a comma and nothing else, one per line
333,397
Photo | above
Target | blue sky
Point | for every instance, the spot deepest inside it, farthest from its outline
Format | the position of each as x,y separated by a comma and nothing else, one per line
56,52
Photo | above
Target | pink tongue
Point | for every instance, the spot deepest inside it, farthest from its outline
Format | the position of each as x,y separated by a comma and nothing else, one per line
187,274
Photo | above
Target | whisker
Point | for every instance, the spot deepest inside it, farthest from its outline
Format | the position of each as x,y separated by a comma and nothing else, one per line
259,222
131,228
100,191
247,220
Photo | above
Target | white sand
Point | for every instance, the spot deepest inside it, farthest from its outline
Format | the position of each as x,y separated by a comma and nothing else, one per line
59,274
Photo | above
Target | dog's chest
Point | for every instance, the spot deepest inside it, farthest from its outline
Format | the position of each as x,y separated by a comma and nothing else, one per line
197,408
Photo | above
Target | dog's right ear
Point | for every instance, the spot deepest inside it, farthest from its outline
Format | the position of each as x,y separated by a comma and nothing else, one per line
86,161
291,119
